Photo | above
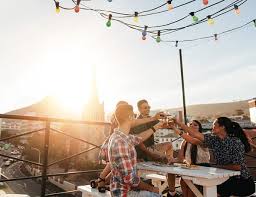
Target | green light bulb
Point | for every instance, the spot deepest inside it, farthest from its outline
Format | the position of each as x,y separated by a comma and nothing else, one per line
158,39
108,24
195,18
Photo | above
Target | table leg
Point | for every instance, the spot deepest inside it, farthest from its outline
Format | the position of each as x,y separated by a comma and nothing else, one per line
210,191
193,188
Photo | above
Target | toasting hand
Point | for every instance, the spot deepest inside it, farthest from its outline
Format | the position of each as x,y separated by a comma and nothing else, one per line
160,115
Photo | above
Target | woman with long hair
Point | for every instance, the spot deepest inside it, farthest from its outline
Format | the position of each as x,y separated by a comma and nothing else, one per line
229,144
191,152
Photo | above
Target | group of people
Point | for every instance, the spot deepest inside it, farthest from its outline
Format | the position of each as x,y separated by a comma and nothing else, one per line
132,140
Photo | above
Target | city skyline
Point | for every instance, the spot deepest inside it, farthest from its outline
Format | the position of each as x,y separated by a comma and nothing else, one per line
44,54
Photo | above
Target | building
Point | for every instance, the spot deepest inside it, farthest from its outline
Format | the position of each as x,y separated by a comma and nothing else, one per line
94,110
167,135
9,126
252,110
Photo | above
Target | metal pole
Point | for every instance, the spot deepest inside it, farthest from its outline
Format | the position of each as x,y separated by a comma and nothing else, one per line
183,88
45,163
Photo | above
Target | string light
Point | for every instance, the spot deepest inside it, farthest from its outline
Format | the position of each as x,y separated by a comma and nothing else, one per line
210,20
77,8
215,37
57,4
136,17
205,2
237,10
108,24
195,18
167,30
169,4
144,33
158,39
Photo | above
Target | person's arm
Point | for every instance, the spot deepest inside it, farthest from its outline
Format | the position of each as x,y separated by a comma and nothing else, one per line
186,137
153,155
194,133
230,167
182,152
180,157
252,145
146,134
137,122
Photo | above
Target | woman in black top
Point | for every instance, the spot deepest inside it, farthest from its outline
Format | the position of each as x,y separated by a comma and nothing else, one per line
229,144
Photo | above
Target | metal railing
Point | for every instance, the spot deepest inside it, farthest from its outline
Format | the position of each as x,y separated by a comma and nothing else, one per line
45,165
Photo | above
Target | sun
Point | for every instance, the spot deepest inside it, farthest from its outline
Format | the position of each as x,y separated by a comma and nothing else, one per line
70,87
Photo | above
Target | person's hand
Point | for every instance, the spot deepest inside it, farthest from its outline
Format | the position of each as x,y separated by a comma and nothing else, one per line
174,120
159,115
172,125
159,125
171,160
163,159
155,190
176,131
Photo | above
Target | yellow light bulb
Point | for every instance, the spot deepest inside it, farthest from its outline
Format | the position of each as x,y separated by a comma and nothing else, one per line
170,7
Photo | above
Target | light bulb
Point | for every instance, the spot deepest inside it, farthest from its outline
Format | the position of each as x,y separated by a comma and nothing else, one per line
57,4
195,18
215,37
237,10
108,24
77,8
109,0
176,43
205,2
210,20
254,21
136,18
158,39
144,33
169,4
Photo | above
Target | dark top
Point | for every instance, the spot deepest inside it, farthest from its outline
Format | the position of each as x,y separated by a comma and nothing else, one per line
229,150
149,142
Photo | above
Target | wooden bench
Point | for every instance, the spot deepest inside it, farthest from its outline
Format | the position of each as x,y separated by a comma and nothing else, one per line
87,191
158,181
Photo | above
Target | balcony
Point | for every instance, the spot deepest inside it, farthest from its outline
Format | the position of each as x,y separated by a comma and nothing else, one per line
55,158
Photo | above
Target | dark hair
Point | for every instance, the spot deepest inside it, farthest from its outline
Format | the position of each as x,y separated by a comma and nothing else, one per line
194,146
235,130
140,102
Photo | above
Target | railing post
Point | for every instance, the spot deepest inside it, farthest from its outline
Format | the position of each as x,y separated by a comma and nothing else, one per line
45,163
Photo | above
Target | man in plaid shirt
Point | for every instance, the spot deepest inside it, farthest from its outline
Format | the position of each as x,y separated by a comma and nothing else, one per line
125,181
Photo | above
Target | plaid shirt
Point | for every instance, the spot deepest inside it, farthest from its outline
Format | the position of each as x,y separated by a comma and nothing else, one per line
123,160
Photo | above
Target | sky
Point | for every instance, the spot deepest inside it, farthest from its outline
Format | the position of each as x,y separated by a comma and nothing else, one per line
47,54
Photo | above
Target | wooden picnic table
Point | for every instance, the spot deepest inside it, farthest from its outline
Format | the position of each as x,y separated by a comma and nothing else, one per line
208,177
